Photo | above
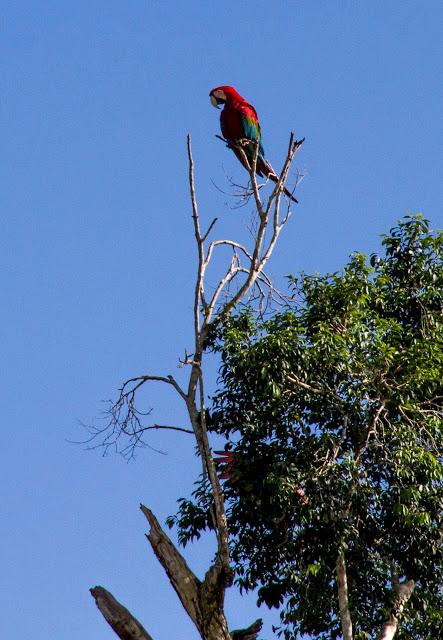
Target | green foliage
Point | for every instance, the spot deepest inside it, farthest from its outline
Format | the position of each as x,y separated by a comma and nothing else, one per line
334,410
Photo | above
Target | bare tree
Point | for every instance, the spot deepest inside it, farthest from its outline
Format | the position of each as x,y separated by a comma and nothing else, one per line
244,275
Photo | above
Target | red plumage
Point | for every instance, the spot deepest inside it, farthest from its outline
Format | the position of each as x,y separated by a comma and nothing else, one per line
231,118
239,122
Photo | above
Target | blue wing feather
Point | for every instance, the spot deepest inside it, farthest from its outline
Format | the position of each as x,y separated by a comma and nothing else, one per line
251,127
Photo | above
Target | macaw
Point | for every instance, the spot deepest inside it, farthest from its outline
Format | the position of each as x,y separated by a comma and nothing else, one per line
239,121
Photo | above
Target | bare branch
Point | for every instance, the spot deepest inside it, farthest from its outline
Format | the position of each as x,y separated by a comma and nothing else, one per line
199,285
203,601
255,191
124,419
140,381
169,427
230,273
230,243
118,617
293,147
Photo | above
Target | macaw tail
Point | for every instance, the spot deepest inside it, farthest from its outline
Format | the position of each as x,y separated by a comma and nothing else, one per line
263,169
274,178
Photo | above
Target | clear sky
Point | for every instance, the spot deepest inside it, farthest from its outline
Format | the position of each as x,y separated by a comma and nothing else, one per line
97,256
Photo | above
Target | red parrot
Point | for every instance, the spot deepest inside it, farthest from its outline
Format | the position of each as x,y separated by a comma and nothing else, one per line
239,121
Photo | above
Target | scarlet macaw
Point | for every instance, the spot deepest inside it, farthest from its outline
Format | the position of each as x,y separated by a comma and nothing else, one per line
239,121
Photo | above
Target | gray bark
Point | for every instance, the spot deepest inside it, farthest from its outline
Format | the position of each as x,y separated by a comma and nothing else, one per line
342,584
402,594
202,600
118,617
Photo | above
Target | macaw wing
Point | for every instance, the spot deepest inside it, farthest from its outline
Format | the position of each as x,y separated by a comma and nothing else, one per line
251,125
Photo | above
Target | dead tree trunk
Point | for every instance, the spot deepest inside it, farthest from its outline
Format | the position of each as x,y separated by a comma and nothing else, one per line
203,600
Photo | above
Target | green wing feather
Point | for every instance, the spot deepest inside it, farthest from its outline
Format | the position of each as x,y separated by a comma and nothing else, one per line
251,126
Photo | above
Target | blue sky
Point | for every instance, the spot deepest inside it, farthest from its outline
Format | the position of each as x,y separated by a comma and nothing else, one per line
97,258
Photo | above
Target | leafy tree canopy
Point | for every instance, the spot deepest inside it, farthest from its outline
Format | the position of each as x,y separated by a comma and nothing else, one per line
333,411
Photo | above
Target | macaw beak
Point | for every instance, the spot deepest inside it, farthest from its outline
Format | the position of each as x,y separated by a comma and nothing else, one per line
215,103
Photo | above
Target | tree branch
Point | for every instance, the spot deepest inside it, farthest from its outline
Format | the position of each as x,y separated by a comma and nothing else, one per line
141,380
342,585
203,601
168,427
402,593
118,617
197,411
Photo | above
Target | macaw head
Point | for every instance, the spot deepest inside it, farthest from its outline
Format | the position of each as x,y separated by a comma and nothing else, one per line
217,97
223,94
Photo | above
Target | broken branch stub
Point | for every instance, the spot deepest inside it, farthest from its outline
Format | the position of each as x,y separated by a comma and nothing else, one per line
118,617
202,600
